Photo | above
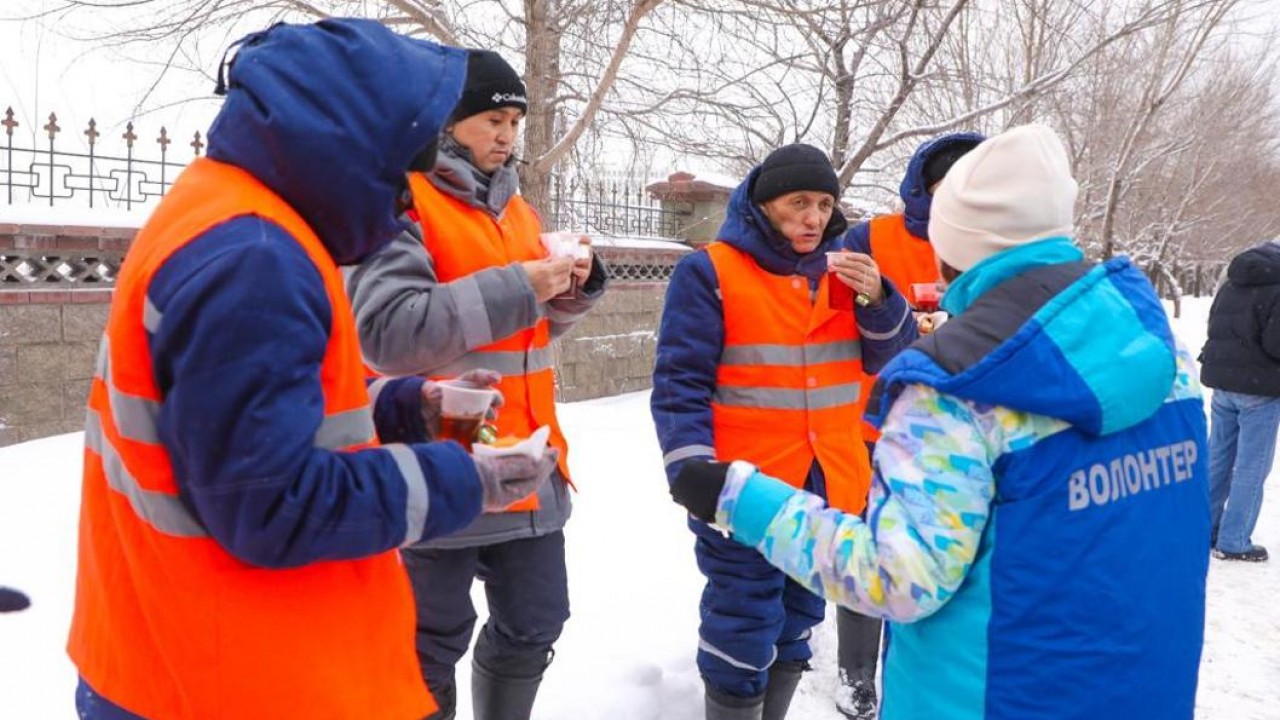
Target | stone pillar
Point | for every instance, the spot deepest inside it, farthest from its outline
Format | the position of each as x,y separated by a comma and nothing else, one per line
701,203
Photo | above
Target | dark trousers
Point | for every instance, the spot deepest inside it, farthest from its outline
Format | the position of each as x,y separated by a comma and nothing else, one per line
528,593
858,643
752,615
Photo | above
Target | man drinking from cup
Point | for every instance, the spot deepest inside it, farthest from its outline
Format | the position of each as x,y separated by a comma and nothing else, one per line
755,362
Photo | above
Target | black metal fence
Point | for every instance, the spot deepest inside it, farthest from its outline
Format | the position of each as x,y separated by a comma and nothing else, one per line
610,208
128,171
41,173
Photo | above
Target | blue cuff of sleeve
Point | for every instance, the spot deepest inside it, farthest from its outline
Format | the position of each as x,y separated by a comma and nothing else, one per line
758,504
454,493
397,410
887,318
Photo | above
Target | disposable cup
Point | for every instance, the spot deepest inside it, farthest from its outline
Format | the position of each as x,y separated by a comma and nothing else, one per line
465,402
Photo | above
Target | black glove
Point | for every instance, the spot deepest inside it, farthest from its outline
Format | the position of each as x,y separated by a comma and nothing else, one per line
12,600
697,487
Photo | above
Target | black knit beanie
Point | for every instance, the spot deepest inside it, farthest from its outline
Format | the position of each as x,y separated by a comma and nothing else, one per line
491,84
795,167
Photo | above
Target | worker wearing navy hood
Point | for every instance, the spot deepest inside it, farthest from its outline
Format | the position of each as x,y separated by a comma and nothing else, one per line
244,490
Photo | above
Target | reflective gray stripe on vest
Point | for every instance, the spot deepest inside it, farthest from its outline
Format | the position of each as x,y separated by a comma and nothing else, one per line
710,649
162,511
788,399
344,429
791,355
417,501
688,451
507,362
136,418
473,315
151,316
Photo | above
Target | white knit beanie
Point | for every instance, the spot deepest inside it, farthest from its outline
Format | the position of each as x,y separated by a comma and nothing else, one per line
1013,188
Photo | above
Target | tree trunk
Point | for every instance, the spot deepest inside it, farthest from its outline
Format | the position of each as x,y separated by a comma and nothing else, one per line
541,77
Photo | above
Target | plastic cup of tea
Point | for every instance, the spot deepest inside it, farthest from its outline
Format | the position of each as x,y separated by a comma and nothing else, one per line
839,295
925,296
462,411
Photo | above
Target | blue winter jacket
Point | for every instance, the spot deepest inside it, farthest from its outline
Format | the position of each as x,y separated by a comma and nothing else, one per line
691,333
1038,527
328,116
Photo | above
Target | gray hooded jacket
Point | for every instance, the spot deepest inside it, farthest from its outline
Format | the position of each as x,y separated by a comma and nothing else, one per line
410,323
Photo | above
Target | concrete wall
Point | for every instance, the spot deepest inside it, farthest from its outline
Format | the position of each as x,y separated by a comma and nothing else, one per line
611,351
48,343
49,335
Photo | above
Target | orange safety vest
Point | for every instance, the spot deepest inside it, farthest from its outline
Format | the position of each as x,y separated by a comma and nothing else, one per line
463,240
905,259
167,624
902,257
789,380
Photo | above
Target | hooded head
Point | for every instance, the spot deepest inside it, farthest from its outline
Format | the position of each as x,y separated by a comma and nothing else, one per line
1256,266
1011,190
330,116
930,163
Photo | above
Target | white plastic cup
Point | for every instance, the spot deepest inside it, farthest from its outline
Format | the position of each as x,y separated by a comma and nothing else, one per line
563,244
464,402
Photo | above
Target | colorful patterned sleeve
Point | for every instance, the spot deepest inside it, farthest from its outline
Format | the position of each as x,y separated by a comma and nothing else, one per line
929,504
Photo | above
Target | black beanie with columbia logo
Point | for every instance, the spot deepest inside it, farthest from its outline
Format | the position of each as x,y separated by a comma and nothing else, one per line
491,84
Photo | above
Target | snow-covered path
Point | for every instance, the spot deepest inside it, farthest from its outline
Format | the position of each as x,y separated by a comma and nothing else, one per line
627,653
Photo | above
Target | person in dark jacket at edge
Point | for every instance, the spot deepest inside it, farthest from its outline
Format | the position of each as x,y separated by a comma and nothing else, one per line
754,361
245,489
1241,362
899,244
469,286
1037,528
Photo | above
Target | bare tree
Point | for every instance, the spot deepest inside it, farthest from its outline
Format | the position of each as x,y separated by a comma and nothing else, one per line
573,51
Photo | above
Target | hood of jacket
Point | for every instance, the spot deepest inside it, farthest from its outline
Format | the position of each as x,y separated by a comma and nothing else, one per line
329,117
1049,334
915,195
746,228
1256,266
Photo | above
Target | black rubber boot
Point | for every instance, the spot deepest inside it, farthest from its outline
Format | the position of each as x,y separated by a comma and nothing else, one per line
494,697
446,700
784,678
858,650
728,707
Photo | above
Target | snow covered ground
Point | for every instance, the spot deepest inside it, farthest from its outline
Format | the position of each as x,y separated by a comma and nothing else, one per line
628,651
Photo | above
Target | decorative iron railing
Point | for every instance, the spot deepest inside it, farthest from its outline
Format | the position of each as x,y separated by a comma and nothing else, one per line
81,267
611,209
36,175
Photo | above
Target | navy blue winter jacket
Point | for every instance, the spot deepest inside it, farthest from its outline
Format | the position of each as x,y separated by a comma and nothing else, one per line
327,116
691,334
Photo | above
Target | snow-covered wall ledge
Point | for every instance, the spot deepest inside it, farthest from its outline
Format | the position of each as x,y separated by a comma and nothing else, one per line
55,289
